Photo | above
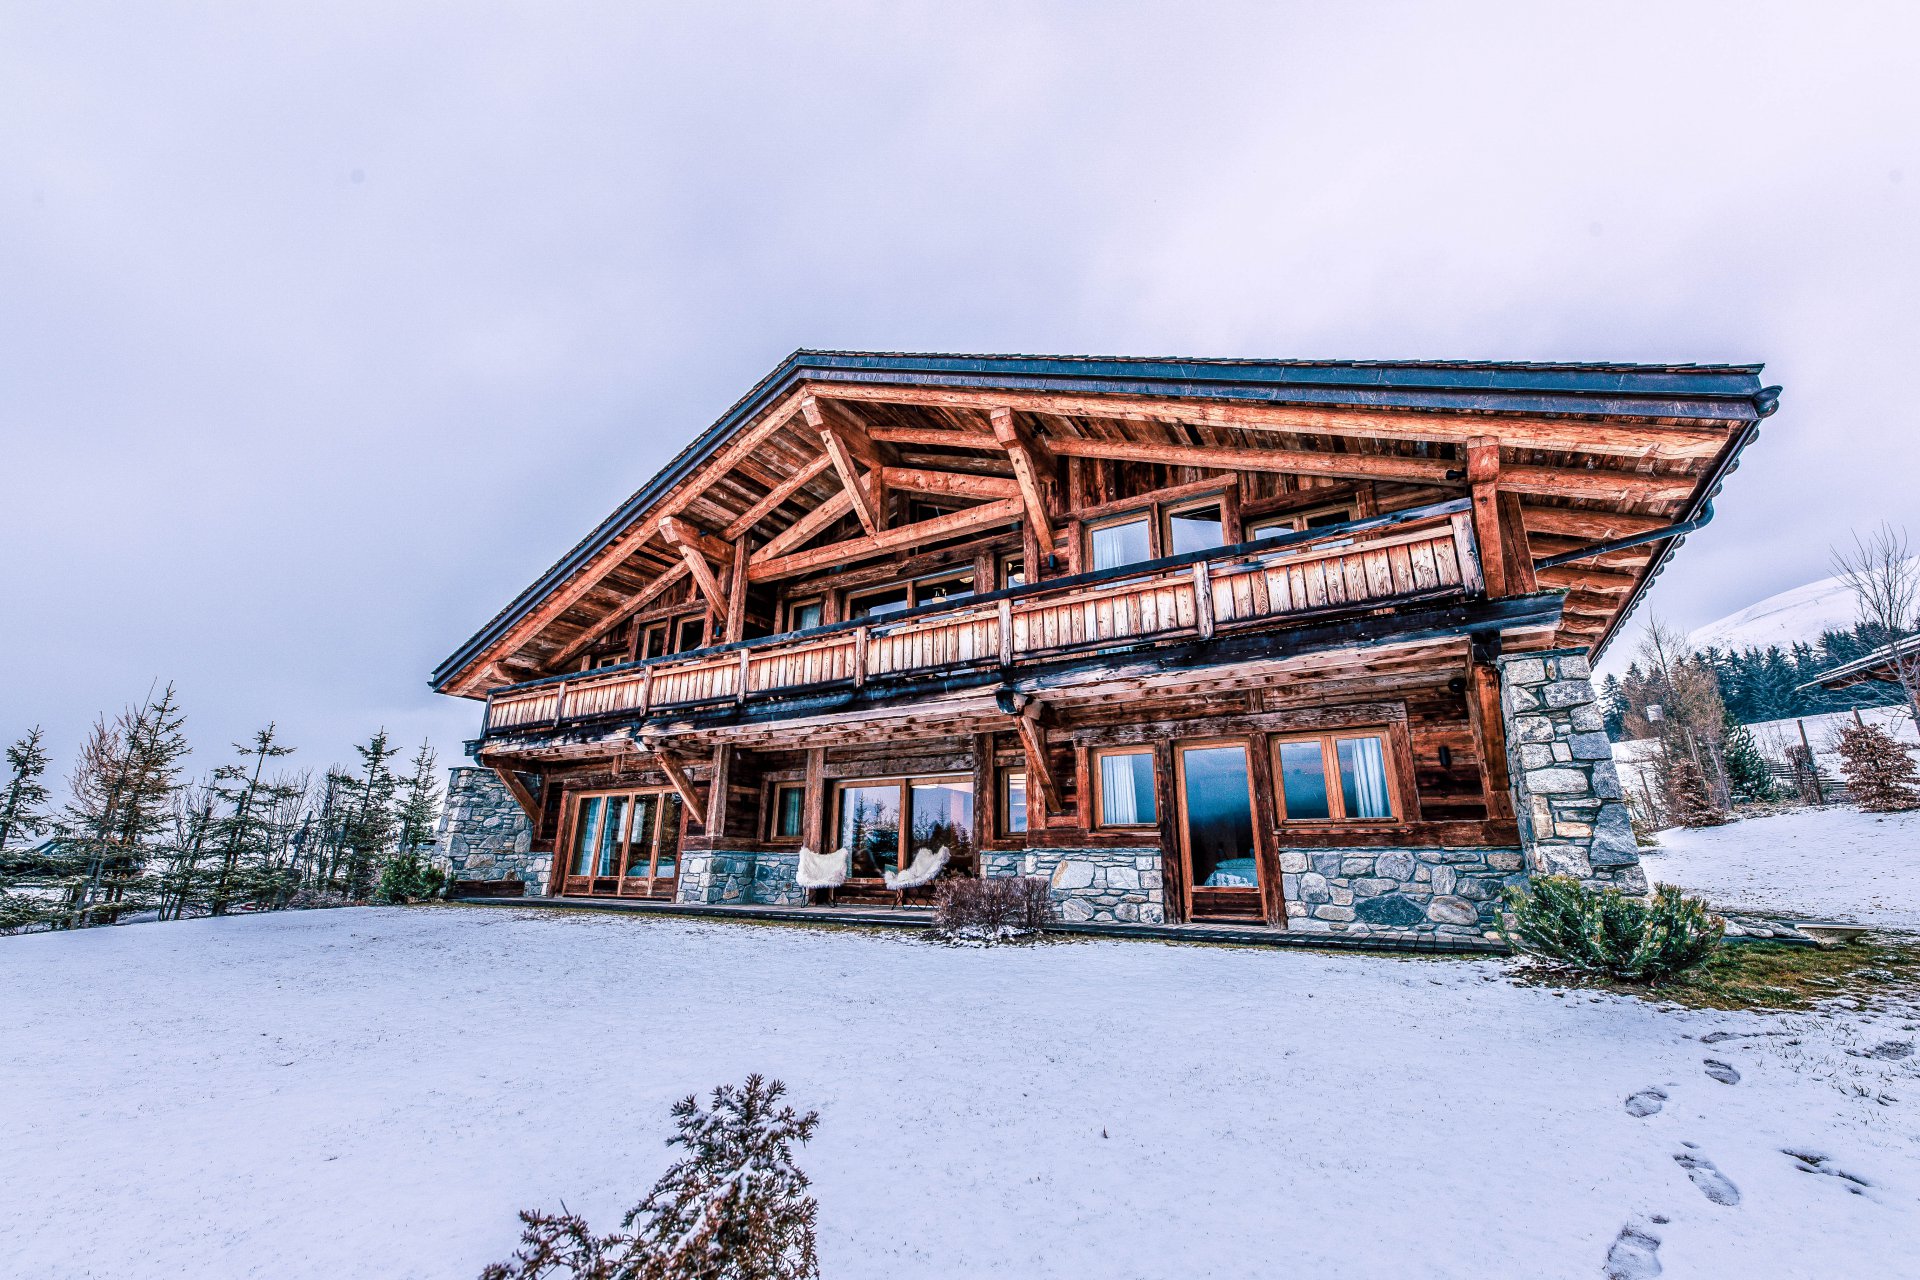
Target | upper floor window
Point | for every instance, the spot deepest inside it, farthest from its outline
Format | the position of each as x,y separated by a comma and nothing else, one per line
1300,522
693,634
1013,571
1128,540
901,596
803,615
1198,527
653,641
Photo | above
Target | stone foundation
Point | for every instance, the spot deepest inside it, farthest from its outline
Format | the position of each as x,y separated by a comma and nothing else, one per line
1109,885
722,878
484,834
1426,893
1567,797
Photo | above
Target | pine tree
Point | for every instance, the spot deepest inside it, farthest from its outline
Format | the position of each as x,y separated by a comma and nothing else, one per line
368,827
1880,774
243,836
1689,800
22,812
1748,773
1613,706
123,788
406,876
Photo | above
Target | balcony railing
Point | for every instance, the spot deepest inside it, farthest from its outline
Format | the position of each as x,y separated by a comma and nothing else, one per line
1409,554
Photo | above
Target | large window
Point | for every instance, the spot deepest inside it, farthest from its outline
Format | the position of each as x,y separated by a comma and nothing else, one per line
1218,802
1299,522
632,836
1125,782
1119,542
1335,777
884,822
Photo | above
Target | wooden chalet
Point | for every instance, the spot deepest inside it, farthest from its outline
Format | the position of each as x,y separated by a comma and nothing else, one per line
1294,644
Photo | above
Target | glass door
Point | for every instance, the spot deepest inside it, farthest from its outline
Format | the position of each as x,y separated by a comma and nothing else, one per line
1216,830
626,844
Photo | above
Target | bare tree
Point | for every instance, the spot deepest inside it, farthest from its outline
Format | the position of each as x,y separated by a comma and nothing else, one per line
1885,578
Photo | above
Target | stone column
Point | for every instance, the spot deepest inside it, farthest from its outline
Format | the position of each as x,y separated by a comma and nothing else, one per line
1566,793
484,834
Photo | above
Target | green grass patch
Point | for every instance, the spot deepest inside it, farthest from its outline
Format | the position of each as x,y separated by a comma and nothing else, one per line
1874,971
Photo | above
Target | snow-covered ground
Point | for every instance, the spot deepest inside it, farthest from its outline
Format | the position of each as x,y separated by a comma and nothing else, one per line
375,1092
1837,863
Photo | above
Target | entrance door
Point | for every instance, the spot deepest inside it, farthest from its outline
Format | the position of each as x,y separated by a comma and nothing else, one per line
653,846
1216,830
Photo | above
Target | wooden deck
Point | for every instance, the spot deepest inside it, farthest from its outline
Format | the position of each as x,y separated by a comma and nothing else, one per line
1424,553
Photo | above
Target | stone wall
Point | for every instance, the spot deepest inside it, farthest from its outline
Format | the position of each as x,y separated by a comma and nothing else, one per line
1428,893
1116,885
484,834
724,878
1567,797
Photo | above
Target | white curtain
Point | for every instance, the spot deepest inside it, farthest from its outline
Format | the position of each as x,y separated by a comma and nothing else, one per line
1365,767
1119,807
1118,544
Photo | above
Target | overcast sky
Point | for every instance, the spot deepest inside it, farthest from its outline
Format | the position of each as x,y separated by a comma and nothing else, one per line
324,329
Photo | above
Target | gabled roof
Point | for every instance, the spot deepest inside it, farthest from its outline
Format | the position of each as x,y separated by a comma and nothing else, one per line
1719,394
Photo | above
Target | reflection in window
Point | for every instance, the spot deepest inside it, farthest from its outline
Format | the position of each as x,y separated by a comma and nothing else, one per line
1126,789
1219,815
586,835
942,816
1303,780
1013,572
1194,529
1124,542
640,839
870,827
1016,803
934,590
1363,778
665,863
879,604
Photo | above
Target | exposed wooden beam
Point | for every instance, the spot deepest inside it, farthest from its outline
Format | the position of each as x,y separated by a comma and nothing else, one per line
634,605
780,493
806,526
709,585
678,533
1033,739
740,447
1351,466
872,515
1649,439
1005,511
1598,581
1597,484
1027,458
700,553
936,437
737,593
1593,525
529,805
677,775
1483,473
959,484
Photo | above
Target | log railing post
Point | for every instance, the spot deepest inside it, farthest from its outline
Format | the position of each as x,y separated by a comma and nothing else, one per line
1006,633
746,656
559,703
859,656
1203,599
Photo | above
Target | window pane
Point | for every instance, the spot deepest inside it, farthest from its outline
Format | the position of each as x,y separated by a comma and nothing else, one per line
1194,529
788,803
1303,780
1016,802
693,633
640,839
656,643
870,827
1219,817
878,604
958,587
942,814
1269,529
804,616
1363,777
1321,519
606,861
1126,790
666,864
1118,544
586,836
1013,573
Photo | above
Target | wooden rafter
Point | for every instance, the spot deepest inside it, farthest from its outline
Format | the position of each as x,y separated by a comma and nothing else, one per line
780,493
1594,525
938,438
677,775
700,552
653,591
1028,457
1652,439
806,526
872,515
958,484
763,567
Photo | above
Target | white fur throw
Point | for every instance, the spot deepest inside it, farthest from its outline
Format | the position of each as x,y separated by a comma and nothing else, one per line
924,867
822,870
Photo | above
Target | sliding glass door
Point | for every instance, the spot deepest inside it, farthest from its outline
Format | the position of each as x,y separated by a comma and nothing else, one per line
626,844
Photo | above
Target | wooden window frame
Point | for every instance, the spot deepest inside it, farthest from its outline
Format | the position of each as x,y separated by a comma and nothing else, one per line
1328,740
1296,521
774,790
1098,816
795,605
1003,808
905,784
1168,510
1004,567
680,625
913,586
570,830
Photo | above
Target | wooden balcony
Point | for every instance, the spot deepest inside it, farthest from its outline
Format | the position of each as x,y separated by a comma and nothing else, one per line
1421,554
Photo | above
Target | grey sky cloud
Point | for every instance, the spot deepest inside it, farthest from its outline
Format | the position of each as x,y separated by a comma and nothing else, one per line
324,330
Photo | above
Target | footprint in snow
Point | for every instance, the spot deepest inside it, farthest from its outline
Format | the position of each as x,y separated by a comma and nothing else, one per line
1721,1071
1713,1184
1646,1102
1635,1255
1814,1162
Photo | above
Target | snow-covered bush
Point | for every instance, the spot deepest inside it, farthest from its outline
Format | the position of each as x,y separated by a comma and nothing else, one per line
1606,932
991,908
736,1208
1880,773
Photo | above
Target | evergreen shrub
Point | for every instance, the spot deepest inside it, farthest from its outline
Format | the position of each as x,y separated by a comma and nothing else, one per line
1880,774
407,877
1606,932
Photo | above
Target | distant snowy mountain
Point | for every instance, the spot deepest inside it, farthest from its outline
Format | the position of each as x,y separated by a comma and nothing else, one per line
1800,614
